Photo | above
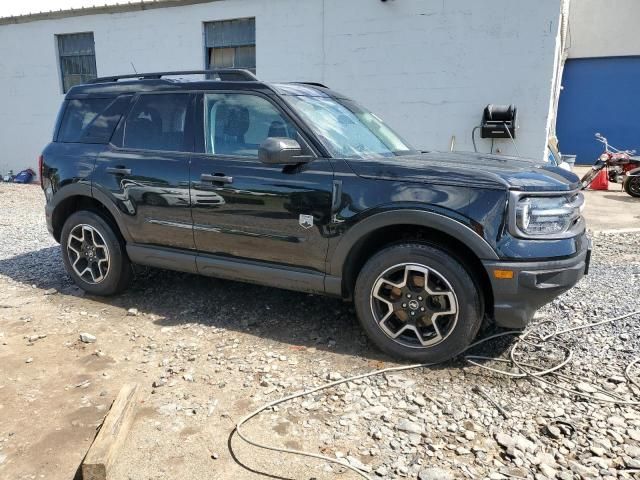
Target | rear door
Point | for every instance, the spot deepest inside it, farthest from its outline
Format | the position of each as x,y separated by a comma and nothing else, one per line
244,208
145,169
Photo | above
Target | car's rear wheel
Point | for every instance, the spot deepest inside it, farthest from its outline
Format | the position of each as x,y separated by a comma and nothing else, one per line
94,255
418,302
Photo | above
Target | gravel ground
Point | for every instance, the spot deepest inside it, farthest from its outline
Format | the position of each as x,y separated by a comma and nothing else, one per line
206,352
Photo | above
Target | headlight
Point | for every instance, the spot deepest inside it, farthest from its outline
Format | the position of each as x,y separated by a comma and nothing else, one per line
538,216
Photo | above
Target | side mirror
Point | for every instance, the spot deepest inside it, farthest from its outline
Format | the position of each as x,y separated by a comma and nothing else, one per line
281,151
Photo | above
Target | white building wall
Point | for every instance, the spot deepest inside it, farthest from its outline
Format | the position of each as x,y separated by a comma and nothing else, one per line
427,66
600,28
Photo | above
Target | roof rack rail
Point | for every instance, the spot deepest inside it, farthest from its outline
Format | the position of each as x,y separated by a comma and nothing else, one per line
225,74
314,84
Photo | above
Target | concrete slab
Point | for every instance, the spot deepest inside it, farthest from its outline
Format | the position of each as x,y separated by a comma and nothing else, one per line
611,210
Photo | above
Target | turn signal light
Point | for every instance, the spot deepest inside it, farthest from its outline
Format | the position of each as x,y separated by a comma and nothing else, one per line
503,274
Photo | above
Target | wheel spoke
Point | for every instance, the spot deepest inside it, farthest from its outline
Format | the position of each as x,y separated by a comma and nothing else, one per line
87,232
383,324
76,262
97,276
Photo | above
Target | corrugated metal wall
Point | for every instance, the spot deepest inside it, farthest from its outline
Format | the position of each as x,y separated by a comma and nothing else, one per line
599,95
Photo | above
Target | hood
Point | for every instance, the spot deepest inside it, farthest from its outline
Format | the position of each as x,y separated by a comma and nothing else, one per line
468,169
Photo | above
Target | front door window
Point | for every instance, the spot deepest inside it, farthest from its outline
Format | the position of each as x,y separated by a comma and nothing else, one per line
236,124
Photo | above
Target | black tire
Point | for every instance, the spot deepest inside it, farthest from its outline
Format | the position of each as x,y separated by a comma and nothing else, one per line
442,267
114,276
631,183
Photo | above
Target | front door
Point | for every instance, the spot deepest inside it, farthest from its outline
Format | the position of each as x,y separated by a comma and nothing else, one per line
243,208
145,171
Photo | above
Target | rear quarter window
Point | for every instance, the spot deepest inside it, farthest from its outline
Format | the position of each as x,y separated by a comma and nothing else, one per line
91,120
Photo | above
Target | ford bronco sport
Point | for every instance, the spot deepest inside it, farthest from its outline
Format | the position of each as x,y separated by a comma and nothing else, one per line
293,185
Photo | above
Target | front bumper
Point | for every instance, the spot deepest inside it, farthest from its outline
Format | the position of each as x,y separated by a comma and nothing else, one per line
534,284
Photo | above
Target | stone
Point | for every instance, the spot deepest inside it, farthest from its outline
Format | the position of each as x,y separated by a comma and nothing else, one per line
616,421
617,379
586,387
354,462
547,470
505,440
409,426
29,360
435,473
583,470
632,450
633,463
87,338
51,291
462,451
34,338
554,432
334,376
603,443
516,472
382,471
420,401
133,312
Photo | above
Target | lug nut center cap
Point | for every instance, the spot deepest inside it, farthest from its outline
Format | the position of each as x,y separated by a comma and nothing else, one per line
414,305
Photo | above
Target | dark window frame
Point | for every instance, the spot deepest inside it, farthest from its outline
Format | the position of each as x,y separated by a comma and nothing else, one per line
217,41
81,60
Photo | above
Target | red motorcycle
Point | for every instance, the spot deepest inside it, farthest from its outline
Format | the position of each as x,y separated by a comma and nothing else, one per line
621,166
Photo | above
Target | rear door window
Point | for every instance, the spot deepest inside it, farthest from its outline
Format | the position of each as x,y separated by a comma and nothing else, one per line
78,115
158,122
102,126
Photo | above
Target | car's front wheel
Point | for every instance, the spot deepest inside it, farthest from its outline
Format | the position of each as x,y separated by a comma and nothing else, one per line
418,302
93,254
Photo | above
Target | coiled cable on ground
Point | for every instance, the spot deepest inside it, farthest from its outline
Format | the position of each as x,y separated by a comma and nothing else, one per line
525,371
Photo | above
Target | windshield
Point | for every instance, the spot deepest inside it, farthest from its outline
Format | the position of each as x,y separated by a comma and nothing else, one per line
346,129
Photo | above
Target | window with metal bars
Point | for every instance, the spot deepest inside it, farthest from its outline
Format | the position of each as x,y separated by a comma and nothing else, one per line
231,43
77,59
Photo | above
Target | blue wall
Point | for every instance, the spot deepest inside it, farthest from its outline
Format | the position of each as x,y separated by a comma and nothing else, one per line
599,95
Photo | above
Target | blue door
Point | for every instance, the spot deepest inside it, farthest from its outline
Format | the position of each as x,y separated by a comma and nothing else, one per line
599,95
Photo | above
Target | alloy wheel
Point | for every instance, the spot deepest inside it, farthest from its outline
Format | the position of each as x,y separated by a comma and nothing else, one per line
88,253
414,305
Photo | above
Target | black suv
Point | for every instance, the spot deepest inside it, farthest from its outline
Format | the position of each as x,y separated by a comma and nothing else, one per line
293,185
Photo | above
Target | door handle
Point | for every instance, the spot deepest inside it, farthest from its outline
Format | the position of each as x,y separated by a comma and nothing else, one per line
118,170
217,178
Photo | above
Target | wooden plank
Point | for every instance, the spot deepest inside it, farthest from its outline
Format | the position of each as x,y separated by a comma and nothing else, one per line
112,434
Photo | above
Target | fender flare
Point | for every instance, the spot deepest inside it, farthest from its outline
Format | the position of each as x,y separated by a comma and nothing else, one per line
82,189
477,244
